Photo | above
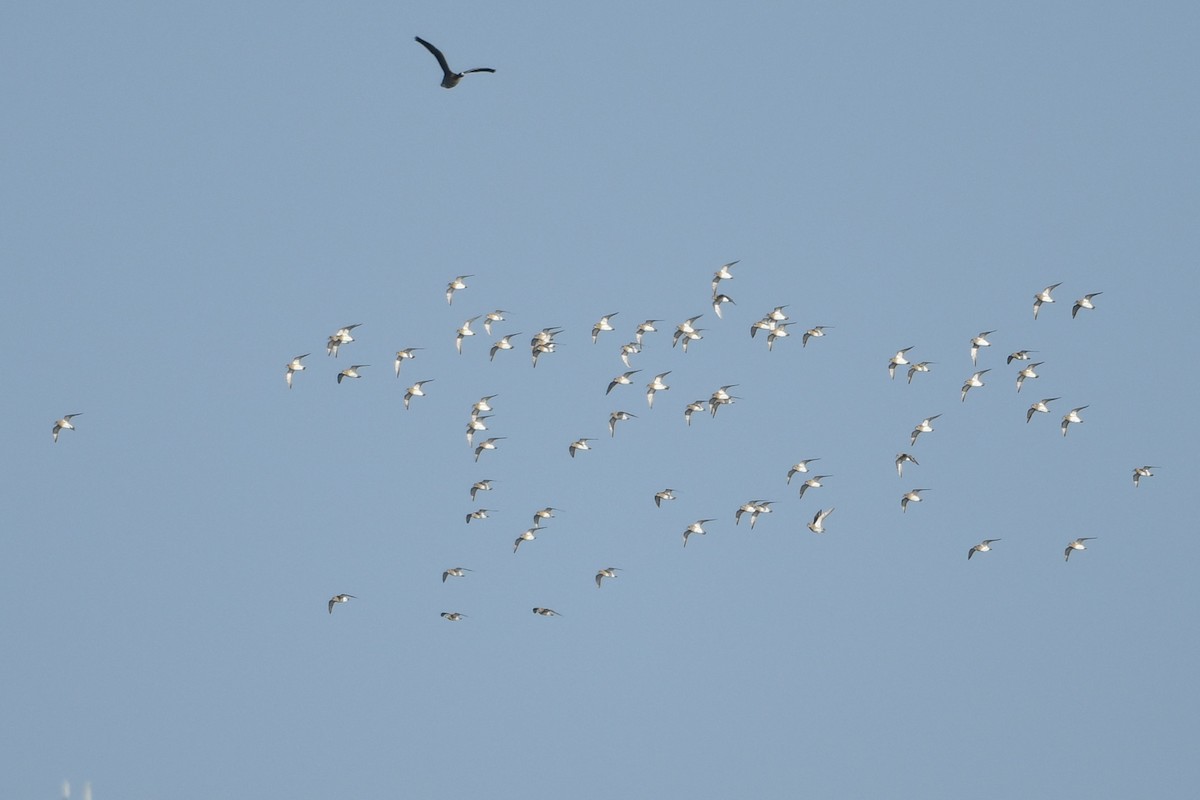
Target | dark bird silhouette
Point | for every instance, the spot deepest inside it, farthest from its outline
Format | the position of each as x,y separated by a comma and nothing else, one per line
450,78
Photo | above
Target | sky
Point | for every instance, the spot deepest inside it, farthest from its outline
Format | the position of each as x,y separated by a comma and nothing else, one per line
195,193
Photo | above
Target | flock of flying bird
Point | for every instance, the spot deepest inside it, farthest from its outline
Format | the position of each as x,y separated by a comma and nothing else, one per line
774,324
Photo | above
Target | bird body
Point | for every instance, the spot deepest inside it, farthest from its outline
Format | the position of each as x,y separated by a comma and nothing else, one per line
1084,302
352,372
818,521
1071,416
415,391
339,598
450,78
1043,297
64,424
982,547
1077,544
294,366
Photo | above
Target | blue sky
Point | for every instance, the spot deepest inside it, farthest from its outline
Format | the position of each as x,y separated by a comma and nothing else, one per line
193,194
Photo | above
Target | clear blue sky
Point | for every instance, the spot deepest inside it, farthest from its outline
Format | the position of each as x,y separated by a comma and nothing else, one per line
194,193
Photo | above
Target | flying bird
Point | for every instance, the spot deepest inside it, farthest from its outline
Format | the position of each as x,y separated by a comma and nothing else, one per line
339,598
1077,544
1020,355
404,355
924,426
1043,297
453,616
494,316
1071,416
695,527
665,494
1028,372
983,546
340,337
352,372
978,342
455,572
898,360
720,300
488,444
922,366
480,486
900,459
546,612
817,331
911,497
1084,302
579,444
624,379
722,274
818,521
656,385
64,424
644,328
294,366
463,332
813,483
1039,407
974,381
415,391
479,513
799,466
1142,472
603,325
503,344
615,417
607,572
450,78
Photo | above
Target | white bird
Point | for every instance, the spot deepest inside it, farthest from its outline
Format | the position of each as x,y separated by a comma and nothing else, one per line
1084,302
720,397
602,325
817,331
294,366
692,408
922,366
352,372
656,385
898,360
450,78
777,314
546,612
1077,544
543,514
799,466
405,355
455,572
474,426
720,300
629,349
538,350
760,507
480,486
1020,355
1039,407
818,521
494,316
778,332
528,536
1071,416
624,379
618,416
340,337
687,337
1142,472
64,424
978,342
479,513
464,331
722,274
765,324
453,616
974,381
415,391
911,497
339,598
483,404
579,444
813,483
504,343
695,527
1043,297
924,426
607,572
982,547
644,328
488,444
665,494
1028,372
900,459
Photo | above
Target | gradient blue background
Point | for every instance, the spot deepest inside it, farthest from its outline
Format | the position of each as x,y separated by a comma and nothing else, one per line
193,193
